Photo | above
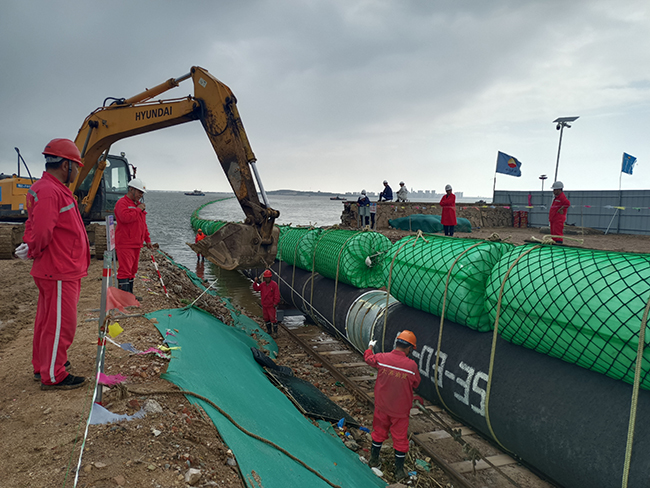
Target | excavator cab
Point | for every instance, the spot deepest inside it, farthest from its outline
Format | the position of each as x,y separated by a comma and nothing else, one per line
112,187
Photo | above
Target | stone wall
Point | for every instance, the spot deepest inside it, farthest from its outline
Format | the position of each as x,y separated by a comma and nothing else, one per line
479,215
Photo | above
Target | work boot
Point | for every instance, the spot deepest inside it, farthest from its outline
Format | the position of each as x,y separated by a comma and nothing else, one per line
275,329
375,450
131,289
123,284
70,382
269,328
400,472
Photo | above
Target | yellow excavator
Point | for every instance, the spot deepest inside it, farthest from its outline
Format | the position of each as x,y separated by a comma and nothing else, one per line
236,245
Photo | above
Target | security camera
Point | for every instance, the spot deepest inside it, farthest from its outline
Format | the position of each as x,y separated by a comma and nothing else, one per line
558,126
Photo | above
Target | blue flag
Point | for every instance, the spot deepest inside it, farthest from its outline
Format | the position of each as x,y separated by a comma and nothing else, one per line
508,165
628,163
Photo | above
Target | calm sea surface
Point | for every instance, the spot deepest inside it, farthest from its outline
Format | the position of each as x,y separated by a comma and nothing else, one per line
168,219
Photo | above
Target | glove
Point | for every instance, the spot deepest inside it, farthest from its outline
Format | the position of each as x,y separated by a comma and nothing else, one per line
371,344
21,251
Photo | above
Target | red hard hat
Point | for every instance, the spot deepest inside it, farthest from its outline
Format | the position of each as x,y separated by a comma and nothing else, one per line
267,273
408,336
63,148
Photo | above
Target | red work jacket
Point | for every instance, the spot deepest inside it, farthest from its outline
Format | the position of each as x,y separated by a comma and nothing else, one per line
55,232
560,202
397,376
448,204
131,230
199,236
270,293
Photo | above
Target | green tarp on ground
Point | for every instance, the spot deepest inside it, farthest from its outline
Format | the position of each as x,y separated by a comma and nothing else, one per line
215,361
429,224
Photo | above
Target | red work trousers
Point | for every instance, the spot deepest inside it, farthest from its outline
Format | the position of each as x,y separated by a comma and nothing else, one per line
557,229
54,327
269,314
128,259
398,427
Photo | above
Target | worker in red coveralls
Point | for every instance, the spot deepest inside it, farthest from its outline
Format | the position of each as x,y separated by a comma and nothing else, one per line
557,213
55,237
448,204
397,376
270,294
199,237
131,233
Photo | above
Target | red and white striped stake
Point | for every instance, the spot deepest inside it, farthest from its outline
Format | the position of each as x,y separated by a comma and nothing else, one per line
160,277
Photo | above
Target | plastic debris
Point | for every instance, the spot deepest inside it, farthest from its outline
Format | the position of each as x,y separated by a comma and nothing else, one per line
100,415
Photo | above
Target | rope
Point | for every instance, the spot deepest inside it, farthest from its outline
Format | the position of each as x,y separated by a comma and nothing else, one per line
635,397
419,235
494,346
442,323
548,239
233,422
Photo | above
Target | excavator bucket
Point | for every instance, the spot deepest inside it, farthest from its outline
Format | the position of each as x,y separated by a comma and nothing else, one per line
238,246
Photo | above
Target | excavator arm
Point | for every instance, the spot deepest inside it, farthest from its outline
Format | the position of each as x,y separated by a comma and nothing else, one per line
235,245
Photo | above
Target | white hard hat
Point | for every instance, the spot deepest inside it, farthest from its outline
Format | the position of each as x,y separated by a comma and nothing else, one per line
385,182
138,184
401,182
363,192
558,185
448,187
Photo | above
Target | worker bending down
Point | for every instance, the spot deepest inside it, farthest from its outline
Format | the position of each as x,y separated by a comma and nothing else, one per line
131,233
397,376
270,295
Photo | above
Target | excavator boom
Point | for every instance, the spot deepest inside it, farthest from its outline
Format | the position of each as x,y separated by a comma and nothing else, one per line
234,246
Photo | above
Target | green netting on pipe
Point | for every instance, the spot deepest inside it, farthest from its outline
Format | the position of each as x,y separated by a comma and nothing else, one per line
429,224
357,255
420,271
296,246
208,227
582,306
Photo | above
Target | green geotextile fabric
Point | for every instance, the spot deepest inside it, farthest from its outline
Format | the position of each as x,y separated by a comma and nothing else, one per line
240,320
215,361
296,246
352,257
579,305
429,224
419,274
208,227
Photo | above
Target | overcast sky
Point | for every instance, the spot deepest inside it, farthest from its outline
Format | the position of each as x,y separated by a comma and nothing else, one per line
340,95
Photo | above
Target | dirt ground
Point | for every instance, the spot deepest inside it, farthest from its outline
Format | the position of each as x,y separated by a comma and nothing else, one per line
41,431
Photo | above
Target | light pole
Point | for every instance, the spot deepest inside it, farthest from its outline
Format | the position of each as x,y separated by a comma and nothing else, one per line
561,122
543,177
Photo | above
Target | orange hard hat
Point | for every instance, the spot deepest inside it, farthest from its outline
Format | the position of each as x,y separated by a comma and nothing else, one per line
267,273
63,148
409,337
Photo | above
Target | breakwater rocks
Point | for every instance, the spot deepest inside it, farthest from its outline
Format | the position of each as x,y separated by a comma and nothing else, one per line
479,215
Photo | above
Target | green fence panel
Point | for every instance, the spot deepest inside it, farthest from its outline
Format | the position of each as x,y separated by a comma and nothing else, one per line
582,306
419,276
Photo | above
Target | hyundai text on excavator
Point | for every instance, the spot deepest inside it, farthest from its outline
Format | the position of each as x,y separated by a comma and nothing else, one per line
234,246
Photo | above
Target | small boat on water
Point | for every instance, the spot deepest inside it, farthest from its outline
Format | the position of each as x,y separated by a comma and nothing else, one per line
337,198
195,193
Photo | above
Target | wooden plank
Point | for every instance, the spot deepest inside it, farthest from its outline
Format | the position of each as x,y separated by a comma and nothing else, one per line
345,365
498,460
363,378
441,434
336,398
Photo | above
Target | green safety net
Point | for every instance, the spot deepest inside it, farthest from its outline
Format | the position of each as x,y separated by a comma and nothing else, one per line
352,257
208,227
582,306
296,246
215,361
241,321
429,224
419,276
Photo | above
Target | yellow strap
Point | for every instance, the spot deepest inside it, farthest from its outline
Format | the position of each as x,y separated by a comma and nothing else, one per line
442,322
635,397
495,334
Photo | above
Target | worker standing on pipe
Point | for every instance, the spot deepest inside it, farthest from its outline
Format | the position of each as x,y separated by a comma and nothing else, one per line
131,233
557,213
270,295
55,237
397,376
